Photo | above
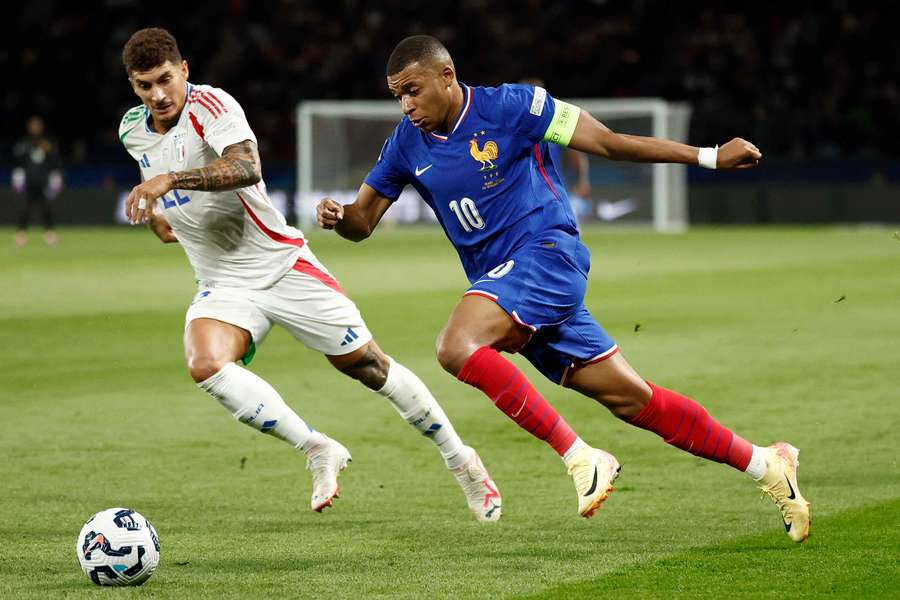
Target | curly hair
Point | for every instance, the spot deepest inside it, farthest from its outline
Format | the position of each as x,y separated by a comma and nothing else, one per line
149,48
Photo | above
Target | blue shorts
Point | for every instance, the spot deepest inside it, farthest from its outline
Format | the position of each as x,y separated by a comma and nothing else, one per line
542,287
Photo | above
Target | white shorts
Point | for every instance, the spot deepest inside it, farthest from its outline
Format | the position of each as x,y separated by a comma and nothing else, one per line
307,301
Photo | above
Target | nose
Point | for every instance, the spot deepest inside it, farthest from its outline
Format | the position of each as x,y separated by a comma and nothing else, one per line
157,94
406,105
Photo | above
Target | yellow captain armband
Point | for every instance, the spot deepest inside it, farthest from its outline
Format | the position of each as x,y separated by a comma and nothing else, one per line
565,118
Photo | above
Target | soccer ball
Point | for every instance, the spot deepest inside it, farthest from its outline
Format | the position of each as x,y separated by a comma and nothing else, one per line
118,546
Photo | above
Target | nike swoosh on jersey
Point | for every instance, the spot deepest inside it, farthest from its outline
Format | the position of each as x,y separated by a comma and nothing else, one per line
420,171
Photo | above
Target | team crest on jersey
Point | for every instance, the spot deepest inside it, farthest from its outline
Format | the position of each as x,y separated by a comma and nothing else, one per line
486,153
178,140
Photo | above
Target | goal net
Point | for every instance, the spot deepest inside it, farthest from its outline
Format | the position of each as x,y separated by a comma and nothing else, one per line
339,141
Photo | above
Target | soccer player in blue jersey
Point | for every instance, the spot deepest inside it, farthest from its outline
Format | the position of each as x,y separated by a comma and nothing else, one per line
479,157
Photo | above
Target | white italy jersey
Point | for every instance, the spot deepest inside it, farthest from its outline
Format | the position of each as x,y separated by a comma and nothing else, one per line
232,239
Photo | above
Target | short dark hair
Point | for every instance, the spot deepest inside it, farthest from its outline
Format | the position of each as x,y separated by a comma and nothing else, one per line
416,48
149,48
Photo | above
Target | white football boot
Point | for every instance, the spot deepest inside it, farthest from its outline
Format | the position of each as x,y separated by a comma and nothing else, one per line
593,471
780,484
481,492
325,462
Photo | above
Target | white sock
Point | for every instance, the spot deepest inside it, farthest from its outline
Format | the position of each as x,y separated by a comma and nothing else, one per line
576,445
254,402
757,467
411,398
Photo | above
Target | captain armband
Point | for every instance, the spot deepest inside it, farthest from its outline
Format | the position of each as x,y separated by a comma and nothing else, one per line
562,126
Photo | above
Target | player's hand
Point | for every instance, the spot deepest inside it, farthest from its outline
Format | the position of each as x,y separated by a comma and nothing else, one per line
738,154
160,226
329,213
139,204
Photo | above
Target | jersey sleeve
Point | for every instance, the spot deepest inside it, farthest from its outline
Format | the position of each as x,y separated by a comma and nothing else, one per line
538,116
389,175
132,120
218,118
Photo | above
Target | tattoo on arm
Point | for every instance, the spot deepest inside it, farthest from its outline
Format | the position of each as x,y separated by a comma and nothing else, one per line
237,167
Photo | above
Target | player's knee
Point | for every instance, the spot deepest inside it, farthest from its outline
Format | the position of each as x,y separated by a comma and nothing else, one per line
452,354
368,365
202,368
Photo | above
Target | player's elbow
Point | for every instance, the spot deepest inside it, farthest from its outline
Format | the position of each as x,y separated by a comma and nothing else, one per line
613,146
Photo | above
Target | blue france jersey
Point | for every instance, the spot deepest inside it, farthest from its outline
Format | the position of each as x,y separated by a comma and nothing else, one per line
491,181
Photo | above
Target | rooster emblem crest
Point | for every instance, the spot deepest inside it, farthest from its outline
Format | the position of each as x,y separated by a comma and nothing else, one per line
486,155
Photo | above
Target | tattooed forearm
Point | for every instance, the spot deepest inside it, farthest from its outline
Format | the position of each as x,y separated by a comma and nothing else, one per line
237,167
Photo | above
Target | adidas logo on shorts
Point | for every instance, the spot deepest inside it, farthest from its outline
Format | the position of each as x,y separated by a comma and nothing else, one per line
351,335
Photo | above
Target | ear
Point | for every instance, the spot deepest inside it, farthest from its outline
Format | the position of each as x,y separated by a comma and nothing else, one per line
184,69
448,75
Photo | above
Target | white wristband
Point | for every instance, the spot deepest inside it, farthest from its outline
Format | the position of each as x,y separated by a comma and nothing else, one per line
707,157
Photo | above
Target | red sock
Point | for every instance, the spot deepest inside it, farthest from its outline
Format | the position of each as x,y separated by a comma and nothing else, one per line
686,425
512,393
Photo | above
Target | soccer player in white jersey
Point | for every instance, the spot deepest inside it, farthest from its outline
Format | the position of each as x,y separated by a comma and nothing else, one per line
202,187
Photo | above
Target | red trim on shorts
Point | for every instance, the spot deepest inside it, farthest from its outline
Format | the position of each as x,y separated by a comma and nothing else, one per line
519,320
609,353
197,126
272,234
480,293
540,162
597,359
306,267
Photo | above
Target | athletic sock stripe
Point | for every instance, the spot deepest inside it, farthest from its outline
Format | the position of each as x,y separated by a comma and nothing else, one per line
504,391
553,427
709,431
690,432
540,418
715,450
684,408
514,400
728,450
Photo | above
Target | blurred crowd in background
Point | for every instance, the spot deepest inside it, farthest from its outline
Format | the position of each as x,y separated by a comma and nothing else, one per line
803,80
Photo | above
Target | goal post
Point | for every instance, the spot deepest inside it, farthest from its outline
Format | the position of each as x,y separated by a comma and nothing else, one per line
338,142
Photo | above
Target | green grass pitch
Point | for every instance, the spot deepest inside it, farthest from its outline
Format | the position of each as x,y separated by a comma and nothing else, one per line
781,333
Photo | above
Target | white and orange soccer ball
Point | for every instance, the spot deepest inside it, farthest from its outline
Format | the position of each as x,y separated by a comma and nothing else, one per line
118,546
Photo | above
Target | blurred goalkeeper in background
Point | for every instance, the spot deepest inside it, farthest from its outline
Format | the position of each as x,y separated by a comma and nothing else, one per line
37,177
202,187
479,157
